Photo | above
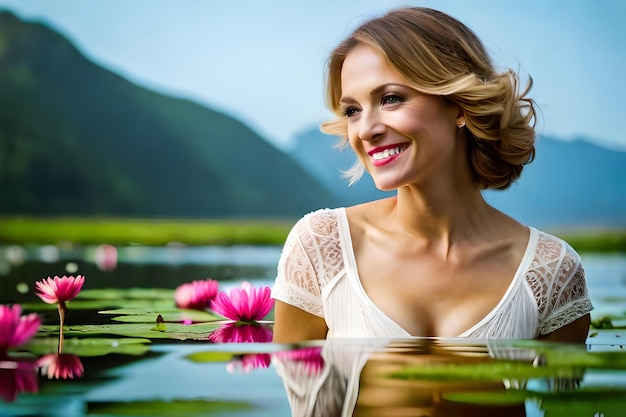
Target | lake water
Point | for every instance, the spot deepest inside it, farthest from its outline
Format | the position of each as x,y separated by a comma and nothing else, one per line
170,377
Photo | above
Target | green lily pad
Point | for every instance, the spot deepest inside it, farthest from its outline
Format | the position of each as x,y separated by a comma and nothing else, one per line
567,355
88,304
170,315
189,408
175,331
206,357
592,402
503,397
579,402
607,322
487,371
128,293
90,346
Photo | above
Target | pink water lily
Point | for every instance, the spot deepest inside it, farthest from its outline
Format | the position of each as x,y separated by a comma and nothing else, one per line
61,366
196,295
15,329
246,304
245,333
59,290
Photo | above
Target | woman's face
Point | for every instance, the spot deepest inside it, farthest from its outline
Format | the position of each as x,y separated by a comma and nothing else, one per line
402,136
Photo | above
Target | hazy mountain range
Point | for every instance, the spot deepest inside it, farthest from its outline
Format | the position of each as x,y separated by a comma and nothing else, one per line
569,184
76,139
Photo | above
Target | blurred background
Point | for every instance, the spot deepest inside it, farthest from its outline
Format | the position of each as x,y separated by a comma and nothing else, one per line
132,132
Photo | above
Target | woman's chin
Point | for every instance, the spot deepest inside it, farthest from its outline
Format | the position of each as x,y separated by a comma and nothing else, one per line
386,187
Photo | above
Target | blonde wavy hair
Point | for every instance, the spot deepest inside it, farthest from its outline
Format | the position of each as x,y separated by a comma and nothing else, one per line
441,56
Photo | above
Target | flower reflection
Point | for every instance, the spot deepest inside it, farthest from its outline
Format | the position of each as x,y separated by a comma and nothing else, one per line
245,304
16,377
249,362
244,333
15,329
196,295
61,366
241,333
305,361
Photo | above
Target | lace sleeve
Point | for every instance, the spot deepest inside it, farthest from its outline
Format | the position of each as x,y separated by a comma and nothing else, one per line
567,298
296,281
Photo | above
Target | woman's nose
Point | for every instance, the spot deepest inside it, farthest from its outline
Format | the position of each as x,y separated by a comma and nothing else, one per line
371,126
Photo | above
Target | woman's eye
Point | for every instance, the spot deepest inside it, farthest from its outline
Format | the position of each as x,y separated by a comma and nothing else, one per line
350,111
391,99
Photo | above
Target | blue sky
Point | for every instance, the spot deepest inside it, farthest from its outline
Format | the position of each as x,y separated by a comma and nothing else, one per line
263,61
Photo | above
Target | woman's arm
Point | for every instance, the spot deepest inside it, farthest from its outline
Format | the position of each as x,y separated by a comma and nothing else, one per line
292,324
574,332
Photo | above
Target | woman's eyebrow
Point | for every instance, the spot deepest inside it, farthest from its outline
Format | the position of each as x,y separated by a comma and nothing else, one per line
375,91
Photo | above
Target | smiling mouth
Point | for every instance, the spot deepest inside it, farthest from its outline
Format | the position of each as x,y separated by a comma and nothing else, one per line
380,155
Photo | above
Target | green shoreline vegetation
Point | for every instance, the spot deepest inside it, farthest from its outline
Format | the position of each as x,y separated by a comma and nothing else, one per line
598,241
196,232
147,232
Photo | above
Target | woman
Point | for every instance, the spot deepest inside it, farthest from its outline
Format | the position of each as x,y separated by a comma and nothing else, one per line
420,103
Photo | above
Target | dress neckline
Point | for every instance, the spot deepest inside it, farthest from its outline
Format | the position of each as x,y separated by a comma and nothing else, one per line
353,275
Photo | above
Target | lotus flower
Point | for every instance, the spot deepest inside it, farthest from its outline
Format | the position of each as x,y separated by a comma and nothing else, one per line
59,290
249,362
245,304
61,366
16,377
245,333
196,295
16,329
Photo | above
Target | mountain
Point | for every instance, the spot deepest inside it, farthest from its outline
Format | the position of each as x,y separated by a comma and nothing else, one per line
319,155
570,184
77,139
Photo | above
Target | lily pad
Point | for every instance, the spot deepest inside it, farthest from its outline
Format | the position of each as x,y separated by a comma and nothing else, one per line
486,371
607,322
127,293
90,346
503,397
170,315
579,402
189,408
574,356
88,304
175,331
206,357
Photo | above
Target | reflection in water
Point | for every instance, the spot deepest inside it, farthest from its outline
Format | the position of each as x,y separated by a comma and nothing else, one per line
237,332
60,366
234,332
424,377
249,362
16,376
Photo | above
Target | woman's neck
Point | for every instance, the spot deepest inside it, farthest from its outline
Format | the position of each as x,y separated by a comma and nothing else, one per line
444,219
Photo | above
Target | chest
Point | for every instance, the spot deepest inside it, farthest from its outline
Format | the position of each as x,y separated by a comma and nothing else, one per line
430,297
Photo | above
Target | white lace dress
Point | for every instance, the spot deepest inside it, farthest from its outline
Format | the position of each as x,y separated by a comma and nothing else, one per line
317,273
